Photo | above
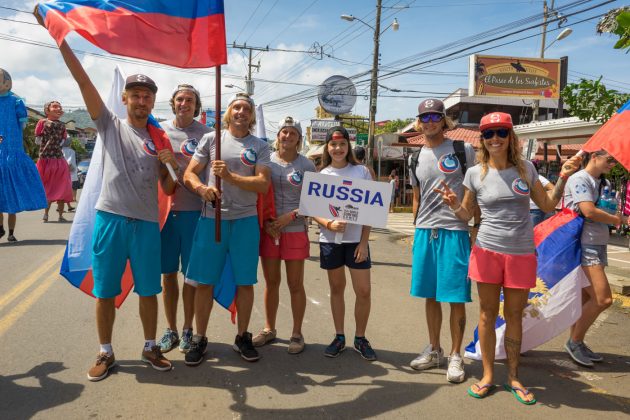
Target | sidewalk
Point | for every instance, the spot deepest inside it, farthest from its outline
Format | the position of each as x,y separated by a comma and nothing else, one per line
618,270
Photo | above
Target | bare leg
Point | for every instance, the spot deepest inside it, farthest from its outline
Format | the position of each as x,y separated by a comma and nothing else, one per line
337,282
203,307
488,311
271,297
295,281
515,301
60,207
148,316
433,310
362,305
188,296
105,316
458,326
244,305
600,298
12,221
170,297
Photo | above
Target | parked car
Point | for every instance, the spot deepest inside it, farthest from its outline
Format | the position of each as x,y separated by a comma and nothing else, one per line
82,168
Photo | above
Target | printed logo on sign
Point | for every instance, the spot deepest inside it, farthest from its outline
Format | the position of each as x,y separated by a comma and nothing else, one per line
188,147
149,148
346,182
448,163
520,187
350,213
334,210
248,157
295,178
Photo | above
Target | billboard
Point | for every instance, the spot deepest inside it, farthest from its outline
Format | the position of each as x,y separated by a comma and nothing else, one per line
337,95
535,78
320,127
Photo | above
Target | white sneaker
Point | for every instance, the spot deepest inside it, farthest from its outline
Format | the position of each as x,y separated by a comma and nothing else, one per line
428,358
455,372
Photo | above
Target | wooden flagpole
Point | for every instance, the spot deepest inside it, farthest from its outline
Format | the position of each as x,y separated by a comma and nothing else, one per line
217,148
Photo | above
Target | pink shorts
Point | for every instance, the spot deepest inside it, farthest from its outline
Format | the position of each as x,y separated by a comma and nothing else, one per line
508,270
290,246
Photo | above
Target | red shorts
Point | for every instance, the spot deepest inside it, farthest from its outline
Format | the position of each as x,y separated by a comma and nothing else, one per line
290,246
508,270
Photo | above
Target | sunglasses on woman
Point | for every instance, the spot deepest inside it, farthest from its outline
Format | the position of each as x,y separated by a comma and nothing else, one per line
501,132
610,160
425,118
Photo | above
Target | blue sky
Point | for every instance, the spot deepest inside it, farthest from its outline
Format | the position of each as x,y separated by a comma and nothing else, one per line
39,73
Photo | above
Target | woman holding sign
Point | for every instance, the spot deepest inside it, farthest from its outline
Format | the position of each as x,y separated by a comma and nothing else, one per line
342,245
285,235
503,257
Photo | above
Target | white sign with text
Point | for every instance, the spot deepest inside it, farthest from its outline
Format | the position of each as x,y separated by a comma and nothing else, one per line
351,200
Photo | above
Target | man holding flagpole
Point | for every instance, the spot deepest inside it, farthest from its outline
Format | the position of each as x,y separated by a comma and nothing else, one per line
126,226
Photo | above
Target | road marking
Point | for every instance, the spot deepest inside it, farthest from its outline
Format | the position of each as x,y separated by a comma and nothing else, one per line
29,280
8,320
623,261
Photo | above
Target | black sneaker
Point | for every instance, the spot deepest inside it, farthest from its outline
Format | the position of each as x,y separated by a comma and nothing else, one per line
2,232
11,238
337,346
243,345
197,350
363,347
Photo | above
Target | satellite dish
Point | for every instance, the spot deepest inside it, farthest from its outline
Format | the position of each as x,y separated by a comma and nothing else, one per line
337,95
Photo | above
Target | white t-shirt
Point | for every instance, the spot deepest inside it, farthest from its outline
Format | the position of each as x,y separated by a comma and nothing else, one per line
353,231
71,157
544,181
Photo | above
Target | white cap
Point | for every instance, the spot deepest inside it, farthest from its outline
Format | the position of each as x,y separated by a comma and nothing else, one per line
290,122
242,96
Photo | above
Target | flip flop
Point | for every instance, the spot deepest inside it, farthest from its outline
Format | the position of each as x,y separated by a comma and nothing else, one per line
514,389
473,394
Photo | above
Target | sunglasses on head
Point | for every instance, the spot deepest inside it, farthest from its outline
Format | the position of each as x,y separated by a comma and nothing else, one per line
425,118
501,132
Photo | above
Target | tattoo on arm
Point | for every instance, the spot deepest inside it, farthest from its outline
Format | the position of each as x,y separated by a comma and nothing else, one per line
558,190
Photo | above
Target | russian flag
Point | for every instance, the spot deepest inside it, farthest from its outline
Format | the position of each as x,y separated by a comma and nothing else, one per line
186,34
556,301
614,137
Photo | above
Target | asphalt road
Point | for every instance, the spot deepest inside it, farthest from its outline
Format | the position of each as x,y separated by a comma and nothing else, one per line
48,341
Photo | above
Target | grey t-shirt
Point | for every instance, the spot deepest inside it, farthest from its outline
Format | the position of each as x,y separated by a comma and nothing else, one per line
435,165
503,199
131,169
184,142
581,187
287,180
241,156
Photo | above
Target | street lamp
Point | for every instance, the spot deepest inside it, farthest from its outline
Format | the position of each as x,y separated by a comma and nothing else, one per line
374,79
230,86
565,33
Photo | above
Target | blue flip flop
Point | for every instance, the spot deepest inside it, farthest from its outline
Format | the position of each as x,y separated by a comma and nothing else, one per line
490,388
514,389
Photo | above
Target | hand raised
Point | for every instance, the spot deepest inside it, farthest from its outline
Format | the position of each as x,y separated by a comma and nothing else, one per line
448,196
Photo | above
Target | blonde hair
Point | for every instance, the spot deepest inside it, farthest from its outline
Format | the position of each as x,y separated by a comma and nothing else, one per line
514,156
449,124
228,115
298,145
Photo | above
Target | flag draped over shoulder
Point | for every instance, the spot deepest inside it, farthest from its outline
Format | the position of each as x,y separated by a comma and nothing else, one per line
555,303
186,34
614,137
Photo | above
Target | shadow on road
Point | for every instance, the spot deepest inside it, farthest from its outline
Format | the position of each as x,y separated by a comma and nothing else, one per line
21,401
34,242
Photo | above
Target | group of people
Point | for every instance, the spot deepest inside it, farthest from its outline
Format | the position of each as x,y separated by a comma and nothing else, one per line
26,186
452,185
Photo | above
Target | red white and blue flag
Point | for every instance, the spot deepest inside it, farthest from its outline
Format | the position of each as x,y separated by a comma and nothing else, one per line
614,137
555,303
186,34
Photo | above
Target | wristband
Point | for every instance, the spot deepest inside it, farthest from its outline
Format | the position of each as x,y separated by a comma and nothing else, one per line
328,224
564,177
457,209
476,225
294,215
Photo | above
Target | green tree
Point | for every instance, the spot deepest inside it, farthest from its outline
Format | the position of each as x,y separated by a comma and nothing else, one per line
393,126
617,22
28,140
590,100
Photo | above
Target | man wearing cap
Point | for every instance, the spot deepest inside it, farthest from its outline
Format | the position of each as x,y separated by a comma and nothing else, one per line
441,245
244,172
184,133
126,226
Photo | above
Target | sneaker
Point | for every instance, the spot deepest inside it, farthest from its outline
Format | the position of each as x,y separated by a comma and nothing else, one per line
104,362
156,359
62,219
185,342
428,358
169,340
243,345
296,345
195,355
455,372
595,357
337,346
264,337
2,232
577,353
362,346
11,238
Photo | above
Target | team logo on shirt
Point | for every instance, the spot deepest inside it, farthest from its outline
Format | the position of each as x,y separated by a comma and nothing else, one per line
448,163
248,157
188,147
295,178
149,148
520,187
581,189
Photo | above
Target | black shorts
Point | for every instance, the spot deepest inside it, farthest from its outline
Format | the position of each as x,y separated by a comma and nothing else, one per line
75,185
333,256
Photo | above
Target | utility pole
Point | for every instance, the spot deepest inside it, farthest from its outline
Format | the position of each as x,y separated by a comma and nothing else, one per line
249,83
374,85
536,109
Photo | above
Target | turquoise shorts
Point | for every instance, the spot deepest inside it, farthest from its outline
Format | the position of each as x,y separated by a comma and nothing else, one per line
117,239
440,265
177,236
239,239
